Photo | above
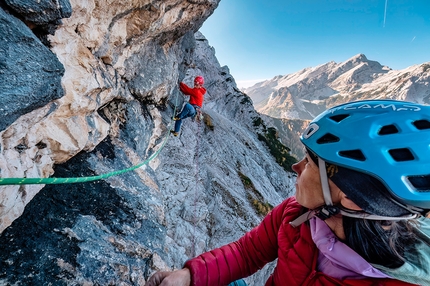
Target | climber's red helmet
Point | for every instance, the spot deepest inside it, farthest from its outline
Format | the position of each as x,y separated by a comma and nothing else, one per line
199,80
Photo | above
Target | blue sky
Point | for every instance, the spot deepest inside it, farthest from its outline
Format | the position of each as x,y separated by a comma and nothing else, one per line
259,39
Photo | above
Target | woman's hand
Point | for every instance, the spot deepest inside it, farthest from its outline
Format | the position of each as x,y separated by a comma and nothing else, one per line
167,278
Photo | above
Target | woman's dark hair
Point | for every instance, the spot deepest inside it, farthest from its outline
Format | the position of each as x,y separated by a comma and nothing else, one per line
379,242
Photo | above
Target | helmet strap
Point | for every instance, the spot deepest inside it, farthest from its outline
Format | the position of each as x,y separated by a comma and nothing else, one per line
324,182
324,212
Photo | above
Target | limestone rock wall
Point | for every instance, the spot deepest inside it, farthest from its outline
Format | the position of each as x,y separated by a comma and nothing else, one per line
118,65
52,98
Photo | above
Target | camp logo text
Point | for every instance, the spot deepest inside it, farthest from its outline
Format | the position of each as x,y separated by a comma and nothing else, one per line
394,107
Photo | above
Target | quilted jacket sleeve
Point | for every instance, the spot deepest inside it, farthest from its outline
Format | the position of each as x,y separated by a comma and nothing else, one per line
185,88
241,258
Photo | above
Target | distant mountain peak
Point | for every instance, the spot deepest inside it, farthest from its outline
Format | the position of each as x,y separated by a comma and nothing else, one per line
313,89
359,57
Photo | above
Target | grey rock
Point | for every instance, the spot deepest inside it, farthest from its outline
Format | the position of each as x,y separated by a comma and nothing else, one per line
30,74
123,89
119,230
42,11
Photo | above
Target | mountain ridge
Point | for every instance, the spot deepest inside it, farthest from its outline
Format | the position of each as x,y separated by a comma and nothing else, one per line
306,93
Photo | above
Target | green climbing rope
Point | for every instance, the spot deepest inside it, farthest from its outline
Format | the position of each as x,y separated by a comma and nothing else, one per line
34,181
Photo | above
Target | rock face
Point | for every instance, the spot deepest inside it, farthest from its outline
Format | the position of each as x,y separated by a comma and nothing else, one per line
306,93
119,65
111,52
43,12
30,74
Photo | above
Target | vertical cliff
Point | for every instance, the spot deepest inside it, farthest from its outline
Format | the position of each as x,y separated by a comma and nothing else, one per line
55,94
93,90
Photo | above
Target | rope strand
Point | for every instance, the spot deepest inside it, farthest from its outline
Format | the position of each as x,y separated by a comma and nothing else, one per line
50,181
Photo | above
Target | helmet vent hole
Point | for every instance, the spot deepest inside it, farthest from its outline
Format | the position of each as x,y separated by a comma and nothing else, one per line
422,124
328,138
420,183
401,154
339,118
353,154
310,130
388,129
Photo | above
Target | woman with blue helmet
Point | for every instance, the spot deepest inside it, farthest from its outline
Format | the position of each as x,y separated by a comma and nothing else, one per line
358,215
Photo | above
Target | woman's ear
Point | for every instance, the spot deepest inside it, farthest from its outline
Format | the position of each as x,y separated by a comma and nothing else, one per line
347,203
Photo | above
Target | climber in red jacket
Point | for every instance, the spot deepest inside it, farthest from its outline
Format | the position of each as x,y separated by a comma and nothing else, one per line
194,105
359,213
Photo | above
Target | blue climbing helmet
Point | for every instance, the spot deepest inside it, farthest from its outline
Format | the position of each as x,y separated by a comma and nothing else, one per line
386,139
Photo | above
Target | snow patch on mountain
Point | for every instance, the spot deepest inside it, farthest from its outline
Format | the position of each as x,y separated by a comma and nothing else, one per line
308,92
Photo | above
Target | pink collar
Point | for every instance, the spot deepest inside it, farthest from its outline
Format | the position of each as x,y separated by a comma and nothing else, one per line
336,259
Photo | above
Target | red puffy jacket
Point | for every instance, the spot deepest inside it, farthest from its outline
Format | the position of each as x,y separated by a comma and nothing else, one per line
273,238
196,94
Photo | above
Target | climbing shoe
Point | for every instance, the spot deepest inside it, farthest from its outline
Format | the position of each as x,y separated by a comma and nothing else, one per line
174,133
176,118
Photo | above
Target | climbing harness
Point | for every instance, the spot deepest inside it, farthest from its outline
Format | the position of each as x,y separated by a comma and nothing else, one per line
199,113
48,181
